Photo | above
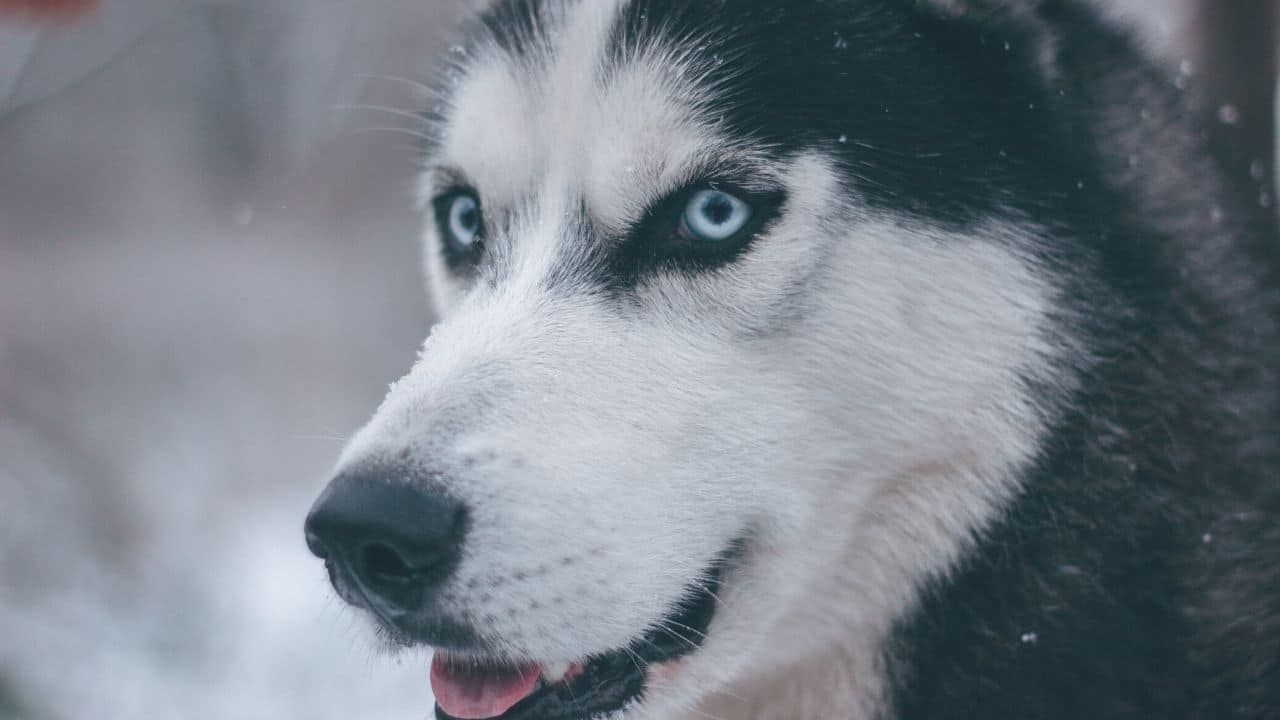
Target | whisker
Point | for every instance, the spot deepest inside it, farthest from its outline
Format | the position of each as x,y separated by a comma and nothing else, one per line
635,660
669,623
703,586
691,708
404,131
382,108
426,89
664,625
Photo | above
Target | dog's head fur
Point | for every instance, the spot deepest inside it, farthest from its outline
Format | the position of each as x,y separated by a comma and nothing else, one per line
845,395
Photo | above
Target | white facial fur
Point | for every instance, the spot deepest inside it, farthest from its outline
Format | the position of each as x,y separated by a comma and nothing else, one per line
851,394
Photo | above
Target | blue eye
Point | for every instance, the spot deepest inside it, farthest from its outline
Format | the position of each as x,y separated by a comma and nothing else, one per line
463,225
714,216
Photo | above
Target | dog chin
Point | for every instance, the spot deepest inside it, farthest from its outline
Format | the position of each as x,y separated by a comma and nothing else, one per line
468,685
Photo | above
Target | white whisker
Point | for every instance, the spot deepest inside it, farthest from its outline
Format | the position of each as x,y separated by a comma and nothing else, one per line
426,89
381,108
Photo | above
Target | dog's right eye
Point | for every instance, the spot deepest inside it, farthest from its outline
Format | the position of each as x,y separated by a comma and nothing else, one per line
714,216
461,226
702,226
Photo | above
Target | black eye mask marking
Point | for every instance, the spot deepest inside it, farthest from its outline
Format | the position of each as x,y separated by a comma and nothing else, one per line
662,240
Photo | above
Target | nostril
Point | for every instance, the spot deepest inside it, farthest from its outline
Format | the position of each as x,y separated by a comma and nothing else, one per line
384,563
396,541
316,545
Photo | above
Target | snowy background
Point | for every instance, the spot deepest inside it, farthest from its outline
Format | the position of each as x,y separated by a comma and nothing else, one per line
208,275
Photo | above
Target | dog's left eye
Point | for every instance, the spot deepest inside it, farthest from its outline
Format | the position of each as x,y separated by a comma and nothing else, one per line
714,216
461,226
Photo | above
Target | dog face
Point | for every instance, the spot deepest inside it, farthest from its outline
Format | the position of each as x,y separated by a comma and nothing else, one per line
737,346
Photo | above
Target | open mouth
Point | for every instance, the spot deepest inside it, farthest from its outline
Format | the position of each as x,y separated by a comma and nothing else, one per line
593,689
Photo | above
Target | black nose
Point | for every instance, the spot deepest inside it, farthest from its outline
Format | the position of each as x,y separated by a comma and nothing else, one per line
394,538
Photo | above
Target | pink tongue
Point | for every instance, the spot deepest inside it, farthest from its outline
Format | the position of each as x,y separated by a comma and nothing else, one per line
468,692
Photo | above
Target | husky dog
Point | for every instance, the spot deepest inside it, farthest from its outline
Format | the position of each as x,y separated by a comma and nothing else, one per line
838,359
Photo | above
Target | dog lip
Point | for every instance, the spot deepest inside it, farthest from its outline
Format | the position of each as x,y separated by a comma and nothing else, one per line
613,681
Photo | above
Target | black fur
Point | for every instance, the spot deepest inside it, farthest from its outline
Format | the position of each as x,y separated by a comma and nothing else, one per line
655,245
1137,575
928,120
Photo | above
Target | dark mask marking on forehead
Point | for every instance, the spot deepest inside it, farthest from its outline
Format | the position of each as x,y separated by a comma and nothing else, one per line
926,116
930,116
946,118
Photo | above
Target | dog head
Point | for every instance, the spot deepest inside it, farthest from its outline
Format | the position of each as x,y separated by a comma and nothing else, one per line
742,333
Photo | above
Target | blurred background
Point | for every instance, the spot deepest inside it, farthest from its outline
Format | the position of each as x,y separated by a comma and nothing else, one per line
208,276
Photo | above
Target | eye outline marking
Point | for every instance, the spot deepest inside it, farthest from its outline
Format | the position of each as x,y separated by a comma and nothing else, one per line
458,256
656,241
